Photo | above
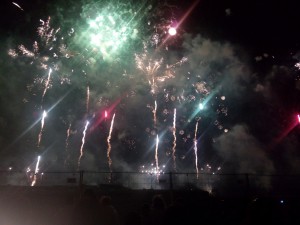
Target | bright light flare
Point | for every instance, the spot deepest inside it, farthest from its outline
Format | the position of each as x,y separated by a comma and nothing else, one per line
201,106
172,31
298,118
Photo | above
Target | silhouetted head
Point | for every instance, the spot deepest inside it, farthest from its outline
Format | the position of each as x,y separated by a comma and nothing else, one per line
105,200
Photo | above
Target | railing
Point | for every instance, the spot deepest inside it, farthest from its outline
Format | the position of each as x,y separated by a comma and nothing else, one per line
223,184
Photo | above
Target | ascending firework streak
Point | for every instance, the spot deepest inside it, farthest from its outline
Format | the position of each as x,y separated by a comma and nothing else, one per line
156,156
108,143
82,143
67,143
36,171
174,140
42,127
47,83
196,150
87,98
154,113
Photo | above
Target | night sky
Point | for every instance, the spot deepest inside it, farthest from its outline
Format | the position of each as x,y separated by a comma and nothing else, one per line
238,59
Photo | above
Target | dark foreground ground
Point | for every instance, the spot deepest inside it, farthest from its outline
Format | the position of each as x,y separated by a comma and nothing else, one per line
55,205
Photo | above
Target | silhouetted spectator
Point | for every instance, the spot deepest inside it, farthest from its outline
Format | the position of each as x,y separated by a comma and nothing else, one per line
108,214
176,213
158,208
146,214
86,211
133,218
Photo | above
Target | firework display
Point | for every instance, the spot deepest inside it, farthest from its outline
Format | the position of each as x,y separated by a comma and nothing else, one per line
170,90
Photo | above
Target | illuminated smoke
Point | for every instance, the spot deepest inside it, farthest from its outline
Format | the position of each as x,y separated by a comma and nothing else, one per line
82,143
174,141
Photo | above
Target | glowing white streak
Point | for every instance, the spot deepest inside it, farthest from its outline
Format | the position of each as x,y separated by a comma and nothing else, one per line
47,83
87,98
67,142
174,140
17,6
154,113
36,171
37,165
196,150
156,156
42,127
108,142
82,143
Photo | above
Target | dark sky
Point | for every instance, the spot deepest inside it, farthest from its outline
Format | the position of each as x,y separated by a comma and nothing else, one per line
245,51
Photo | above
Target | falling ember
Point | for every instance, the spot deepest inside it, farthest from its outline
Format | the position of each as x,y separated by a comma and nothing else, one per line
47,83
156,156
18,6
36,171
87,98
196,150
108,143
174,140
82,143
67,143
42,127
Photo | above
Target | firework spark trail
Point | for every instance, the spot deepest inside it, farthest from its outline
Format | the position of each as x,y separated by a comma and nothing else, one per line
47,83
67,143
156,156
36,171
196,150
82,143
154,113
42,127
16,4
174,140
87,98
108,143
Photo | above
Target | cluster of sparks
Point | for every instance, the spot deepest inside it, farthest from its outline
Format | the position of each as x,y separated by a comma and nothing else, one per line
107,33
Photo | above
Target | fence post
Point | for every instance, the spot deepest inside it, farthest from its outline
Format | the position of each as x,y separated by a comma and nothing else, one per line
247,185
171,186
